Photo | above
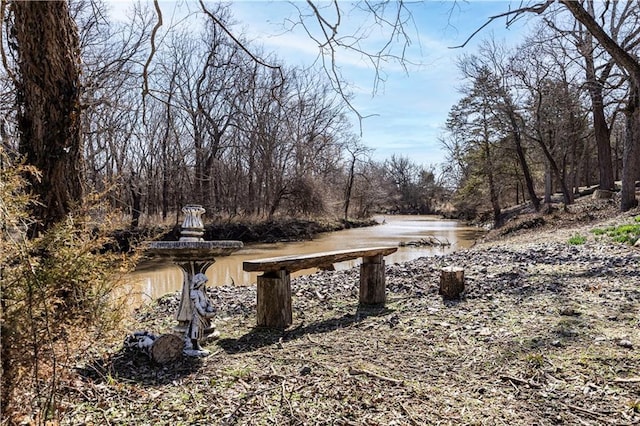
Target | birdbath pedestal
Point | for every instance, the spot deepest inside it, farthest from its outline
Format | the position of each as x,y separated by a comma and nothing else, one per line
192,255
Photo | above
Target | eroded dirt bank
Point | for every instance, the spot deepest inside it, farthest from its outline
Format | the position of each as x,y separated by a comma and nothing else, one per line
546,333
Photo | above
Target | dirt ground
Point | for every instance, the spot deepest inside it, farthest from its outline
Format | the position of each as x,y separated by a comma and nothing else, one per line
546,333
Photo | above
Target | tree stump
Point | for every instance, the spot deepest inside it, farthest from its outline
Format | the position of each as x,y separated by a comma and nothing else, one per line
451,282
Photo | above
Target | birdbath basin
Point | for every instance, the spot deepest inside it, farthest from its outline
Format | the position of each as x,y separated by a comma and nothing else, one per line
187,251
192,255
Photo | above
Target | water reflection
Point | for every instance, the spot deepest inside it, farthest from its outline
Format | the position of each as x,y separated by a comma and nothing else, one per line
154,280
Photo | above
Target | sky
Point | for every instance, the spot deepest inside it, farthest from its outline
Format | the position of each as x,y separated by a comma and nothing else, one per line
407,112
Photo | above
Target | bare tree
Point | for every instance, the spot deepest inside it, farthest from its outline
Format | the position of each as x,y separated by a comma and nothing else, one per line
357,152
620,19
476,120
623,58
494,58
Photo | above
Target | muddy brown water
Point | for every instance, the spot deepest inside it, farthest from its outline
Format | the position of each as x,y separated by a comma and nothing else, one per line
155,280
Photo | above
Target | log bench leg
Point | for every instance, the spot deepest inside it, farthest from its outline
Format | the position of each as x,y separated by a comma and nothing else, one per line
372,281
274,300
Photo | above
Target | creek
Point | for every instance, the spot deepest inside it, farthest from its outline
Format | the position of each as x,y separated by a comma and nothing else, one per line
151,281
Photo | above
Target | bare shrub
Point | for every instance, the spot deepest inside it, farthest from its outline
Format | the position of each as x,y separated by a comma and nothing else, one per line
59,291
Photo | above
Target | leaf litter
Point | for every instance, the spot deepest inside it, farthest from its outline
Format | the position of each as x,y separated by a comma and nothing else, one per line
546,333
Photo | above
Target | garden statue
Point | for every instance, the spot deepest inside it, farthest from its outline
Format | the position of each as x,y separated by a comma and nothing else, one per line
202,312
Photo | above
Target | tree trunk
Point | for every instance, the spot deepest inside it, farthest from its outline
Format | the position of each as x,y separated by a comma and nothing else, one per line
517,140
625,60
493,191
166,163
600,127
136,201
630,168
548,183
48,98
553,165
347,195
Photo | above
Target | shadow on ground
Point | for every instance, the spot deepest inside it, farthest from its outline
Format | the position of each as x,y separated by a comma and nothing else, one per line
260,337
137,367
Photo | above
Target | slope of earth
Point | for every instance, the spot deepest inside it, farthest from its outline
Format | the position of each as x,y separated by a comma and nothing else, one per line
546,333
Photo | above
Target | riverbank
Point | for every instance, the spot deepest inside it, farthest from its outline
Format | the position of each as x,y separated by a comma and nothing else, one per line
283,229
547,332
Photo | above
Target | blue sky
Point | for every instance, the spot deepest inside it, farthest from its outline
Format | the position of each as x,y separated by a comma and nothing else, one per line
409,109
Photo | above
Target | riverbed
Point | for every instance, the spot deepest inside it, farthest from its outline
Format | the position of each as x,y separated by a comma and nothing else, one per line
155,280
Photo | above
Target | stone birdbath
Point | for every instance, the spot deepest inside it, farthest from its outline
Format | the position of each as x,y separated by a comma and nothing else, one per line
193,255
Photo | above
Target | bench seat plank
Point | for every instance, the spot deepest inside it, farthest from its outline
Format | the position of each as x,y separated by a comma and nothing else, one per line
295,263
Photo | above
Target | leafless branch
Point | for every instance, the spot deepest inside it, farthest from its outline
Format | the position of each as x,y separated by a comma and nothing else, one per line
240,44
145,70
330,41
511,16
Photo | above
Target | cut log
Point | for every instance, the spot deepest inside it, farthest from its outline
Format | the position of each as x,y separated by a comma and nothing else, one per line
602,194
451,282
161,349
167,348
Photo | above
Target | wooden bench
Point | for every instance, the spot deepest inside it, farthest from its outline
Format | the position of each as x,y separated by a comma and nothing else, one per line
274,285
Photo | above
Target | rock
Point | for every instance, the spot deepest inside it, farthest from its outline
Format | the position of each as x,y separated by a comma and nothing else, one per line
305,370
625,344
571,312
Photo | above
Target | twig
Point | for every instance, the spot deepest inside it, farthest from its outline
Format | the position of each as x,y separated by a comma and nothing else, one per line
104,417
626,380
521,381
584,410
409,415
514,387
357,371
226,419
